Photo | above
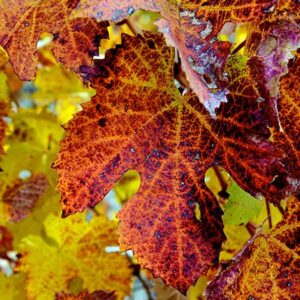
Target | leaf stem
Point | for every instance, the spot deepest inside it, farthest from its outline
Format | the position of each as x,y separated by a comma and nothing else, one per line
239,47
251,227
136,272
269,212
280,208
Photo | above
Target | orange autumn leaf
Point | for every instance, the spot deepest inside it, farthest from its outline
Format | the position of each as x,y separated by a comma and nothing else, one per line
23,22
114,10
270,49
289,114
267,266
192,27
21,197
85,295
139,120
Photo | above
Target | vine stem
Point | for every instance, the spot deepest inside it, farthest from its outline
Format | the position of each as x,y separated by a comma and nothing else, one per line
269,212
280,208
251,227
136,272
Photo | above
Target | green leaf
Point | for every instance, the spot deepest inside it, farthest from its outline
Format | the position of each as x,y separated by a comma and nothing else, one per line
240,207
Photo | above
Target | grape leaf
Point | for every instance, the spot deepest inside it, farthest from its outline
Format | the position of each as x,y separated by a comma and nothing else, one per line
236,237
12,286
80,50
273,44
267,265
84,295
139,120
33,144
57,85
21,197
193,28
289,114
77,250
243,88
23,22
240,206
111,9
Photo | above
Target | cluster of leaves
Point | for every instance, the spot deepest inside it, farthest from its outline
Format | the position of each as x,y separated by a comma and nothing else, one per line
169,105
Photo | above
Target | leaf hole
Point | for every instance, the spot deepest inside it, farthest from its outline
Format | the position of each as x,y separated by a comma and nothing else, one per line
197,211
127,186
135,24
24,174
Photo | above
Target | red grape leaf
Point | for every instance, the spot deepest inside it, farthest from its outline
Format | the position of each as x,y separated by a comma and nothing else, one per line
194,30
22,22
113,10
21,197
271,47
86,35
192,27
139,120
85,295
268,265
289,115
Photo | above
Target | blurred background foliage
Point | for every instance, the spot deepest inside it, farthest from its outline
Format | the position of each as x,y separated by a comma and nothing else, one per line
35,112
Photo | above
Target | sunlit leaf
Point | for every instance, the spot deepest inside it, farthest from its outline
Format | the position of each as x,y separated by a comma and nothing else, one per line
240,206
139,120
77,248
267,266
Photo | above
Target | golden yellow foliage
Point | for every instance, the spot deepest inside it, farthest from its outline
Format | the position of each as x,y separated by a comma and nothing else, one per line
74,248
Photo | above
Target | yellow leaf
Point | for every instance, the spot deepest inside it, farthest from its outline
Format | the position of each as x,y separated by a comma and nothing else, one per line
63,88
74,248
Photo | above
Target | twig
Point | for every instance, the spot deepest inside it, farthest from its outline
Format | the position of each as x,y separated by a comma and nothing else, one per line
269,213
280,208
239,47
136,272
251,227
95,211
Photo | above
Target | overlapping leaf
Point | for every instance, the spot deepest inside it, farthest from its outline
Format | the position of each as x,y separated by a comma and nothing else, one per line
192,27
139,120
21,197
112,9
240,206
267,266
22,23
194,30
84,295
61,88
289,115
77,251
270,46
